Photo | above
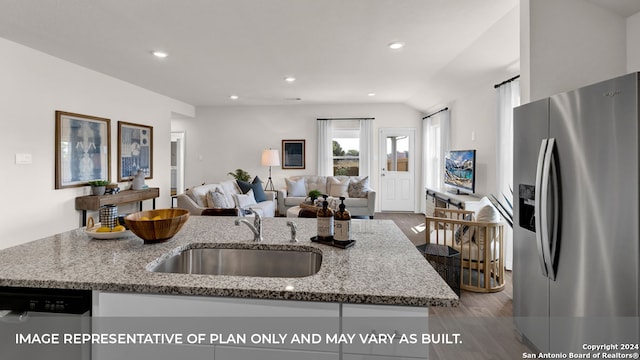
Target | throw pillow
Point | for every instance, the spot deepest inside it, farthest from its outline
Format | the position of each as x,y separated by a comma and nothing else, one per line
359,188
337,187
217,200
462,230
244,201
316,183
229,188
488,214
296,188
258,192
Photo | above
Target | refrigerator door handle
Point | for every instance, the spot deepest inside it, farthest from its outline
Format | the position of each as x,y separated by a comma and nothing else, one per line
549,175
540,221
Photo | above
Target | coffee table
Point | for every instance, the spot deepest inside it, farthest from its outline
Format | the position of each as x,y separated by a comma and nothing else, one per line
293,211
307,212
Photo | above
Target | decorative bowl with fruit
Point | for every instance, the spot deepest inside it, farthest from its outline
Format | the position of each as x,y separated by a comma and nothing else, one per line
97,231
157,225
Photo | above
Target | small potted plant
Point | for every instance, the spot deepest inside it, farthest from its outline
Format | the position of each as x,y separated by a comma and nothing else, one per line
313,195
240,174
98,187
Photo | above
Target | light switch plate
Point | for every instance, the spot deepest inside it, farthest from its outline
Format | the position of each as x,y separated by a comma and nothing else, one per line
23,159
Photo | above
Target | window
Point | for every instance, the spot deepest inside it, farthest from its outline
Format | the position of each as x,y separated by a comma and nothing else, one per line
397,153
344,146
346,152
436,143
434,151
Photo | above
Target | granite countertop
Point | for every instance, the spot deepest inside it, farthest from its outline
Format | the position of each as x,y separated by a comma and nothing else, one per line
383,267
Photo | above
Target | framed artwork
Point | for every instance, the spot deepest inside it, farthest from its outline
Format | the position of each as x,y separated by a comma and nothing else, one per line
293,154
83,147
135,150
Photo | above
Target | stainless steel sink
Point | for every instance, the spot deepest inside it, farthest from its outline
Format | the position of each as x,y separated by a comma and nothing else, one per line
242,262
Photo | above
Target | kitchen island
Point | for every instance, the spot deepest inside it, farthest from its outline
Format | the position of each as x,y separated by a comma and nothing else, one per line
359,305
383,267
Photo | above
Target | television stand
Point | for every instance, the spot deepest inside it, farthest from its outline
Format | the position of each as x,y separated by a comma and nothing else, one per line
447,198
457,192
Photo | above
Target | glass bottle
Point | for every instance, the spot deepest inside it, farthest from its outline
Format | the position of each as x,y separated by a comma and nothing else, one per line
324,217
342,224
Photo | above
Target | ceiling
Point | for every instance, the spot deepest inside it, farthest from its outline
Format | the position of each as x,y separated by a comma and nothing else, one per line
336,49
624,8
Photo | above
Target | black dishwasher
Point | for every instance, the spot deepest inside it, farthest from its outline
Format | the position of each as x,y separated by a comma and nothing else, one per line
34,323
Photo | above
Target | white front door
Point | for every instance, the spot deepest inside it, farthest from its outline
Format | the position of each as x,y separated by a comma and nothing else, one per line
397,174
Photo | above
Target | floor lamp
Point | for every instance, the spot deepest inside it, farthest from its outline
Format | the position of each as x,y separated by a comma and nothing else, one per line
270,157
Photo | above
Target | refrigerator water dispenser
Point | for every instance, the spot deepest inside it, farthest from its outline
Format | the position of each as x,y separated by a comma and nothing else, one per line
527,199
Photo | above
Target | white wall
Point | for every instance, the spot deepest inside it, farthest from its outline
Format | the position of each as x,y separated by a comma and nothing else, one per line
222,139
474,106
34,85
474,126
568,44
633,39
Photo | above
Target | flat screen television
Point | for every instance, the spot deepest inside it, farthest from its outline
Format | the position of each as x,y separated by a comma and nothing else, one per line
460,170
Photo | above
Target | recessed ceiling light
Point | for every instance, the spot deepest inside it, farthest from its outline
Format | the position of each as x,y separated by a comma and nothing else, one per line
289,79
234,97
371,94
396,45
160,54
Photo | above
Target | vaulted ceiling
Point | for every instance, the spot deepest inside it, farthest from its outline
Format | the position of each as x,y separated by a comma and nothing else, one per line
337,50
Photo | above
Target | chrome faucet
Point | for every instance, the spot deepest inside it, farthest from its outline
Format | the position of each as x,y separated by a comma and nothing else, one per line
294,230
256,227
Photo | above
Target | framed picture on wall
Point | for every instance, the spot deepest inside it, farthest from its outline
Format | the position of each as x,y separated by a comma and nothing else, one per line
293,154
135,150
83,147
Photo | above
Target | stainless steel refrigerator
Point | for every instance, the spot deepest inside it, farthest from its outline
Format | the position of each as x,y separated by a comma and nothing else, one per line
576,218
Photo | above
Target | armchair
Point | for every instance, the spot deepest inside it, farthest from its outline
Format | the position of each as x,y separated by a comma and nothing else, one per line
481,247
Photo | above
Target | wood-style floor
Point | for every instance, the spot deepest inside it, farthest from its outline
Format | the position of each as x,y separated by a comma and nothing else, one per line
484,321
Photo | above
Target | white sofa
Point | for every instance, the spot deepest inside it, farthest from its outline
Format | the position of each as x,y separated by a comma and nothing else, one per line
198,199
360,198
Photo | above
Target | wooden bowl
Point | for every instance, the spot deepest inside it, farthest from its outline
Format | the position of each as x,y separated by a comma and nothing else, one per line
161,229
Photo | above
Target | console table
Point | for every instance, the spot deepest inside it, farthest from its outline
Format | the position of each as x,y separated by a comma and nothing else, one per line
93,203
445,199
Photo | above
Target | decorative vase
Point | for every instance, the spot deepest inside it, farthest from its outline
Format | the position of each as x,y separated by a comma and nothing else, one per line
138,181
98,190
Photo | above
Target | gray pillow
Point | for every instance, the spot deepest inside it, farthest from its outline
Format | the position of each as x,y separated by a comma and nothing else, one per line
359,188
217,200
461,231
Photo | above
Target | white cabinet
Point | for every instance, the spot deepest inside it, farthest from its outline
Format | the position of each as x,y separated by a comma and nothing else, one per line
380,329
154,305
243,353
227,325
374,357
222,323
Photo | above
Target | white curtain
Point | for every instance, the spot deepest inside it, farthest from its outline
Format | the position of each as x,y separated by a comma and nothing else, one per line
436,133
508,97
445,140
325,148
366,146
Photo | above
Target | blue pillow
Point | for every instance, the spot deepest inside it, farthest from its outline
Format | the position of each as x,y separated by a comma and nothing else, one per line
256,186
